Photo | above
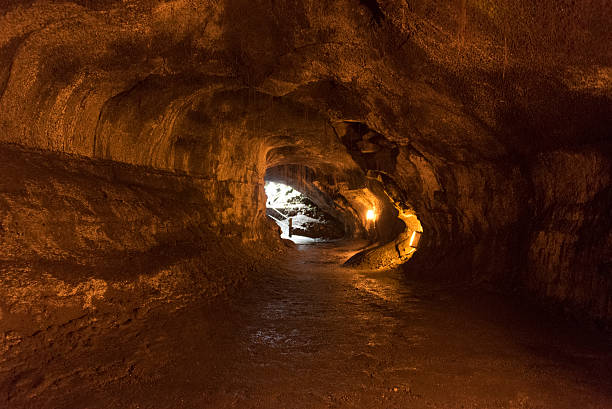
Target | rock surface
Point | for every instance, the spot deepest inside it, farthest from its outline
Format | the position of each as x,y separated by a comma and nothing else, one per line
491,119
88,240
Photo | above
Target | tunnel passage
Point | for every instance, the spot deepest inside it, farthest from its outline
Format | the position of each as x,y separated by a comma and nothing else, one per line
136,138
326,193
299,217
296,192
367,205
494,136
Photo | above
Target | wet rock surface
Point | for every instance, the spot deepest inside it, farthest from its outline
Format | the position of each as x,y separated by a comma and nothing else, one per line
87,241
460,108
314,334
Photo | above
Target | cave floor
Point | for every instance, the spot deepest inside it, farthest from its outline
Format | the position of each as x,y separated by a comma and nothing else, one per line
314,334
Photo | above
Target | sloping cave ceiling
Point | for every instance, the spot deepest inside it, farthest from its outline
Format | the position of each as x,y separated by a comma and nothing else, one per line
490,120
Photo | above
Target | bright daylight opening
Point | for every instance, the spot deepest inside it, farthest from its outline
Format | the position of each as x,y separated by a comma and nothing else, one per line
299,219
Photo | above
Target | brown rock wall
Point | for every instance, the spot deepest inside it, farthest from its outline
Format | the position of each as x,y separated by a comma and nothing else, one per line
569,245
481,98
84,238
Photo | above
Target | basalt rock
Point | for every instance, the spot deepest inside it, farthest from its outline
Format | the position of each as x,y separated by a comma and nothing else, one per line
491,121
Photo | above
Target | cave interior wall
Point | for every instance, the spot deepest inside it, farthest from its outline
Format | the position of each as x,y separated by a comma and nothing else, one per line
496,135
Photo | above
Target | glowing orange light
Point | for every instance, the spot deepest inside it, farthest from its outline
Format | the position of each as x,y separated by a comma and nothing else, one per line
370,215
414,239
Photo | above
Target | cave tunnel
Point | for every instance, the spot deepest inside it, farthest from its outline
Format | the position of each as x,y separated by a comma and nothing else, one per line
304,213
446,166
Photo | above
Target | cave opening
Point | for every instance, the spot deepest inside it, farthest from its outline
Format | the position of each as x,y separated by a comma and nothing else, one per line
298,217
365,209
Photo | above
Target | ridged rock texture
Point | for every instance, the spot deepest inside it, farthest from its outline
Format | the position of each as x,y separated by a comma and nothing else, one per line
134,126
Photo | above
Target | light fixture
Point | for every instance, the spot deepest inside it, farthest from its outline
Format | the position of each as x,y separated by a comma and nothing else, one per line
370,215
414,239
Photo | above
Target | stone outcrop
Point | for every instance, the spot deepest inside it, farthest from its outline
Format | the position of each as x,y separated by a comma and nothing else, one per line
86,238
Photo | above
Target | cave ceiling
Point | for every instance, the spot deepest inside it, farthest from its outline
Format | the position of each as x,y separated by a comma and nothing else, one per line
96,77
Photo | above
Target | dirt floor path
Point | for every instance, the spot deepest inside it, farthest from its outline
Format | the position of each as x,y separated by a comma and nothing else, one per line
319,335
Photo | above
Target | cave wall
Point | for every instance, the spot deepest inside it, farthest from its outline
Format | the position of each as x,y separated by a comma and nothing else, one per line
57,207
472,216
84,240
570,241
479,109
